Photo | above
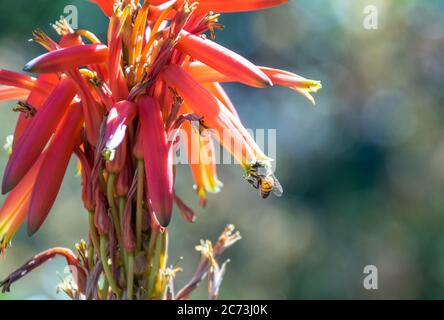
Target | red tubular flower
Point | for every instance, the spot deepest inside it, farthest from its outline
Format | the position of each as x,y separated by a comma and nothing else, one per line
86,172
107,6
293,81
123,181
119,107
205,74
205,6
13,93
14,79
215,115
68,58
35,99
223,60
138,147
186,212
36,136
53,168
158,167
200,100
119,117
15,208
117,80
92,109
101,218
236,5
117,158
128,241
218,92
202,162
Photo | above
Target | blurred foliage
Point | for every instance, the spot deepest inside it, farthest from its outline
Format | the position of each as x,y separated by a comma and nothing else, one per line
363,171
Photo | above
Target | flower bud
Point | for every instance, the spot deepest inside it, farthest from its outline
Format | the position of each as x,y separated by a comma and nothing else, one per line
101,217
116,159
123,181
128,241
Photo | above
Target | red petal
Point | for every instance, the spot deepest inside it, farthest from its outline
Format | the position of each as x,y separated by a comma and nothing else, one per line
186,212
120,115
35,99
236,5
107,6
52,171
223,60
36,136
216,89
15,208
13,93
158,167
68,58
14,79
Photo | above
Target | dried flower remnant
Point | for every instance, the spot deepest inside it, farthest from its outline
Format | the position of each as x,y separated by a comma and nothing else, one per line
209,263
117,106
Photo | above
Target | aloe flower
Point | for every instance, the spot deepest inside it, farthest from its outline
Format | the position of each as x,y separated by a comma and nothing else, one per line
119,106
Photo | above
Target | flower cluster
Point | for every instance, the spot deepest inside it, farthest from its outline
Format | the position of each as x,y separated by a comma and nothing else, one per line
118,107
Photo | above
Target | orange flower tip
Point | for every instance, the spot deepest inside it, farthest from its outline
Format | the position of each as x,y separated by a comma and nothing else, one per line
68,58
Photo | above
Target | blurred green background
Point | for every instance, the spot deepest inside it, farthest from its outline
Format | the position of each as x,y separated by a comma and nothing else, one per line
363,171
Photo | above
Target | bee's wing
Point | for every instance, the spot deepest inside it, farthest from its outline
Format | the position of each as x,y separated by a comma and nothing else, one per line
277,188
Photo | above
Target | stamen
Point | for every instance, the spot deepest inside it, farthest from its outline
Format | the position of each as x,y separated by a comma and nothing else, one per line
44,40
28,110
62,27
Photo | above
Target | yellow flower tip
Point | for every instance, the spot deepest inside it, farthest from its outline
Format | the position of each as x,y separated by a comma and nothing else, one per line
311,99
6,233
201,193
315,86
310,86
216,187
8,145
213,188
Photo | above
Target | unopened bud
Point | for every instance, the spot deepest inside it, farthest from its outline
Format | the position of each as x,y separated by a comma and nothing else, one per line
101,217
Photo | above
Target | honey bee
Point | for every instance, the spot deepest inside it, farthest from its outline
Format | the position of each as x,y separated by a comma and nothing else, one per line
262,178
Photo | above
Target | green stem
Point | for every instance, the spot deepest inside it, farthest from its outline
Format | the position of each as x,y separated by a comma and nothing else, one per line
150,257
93,232
106,267
139,208
122,203
113,207
130,276
105,289
115,214
90,256
158,288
